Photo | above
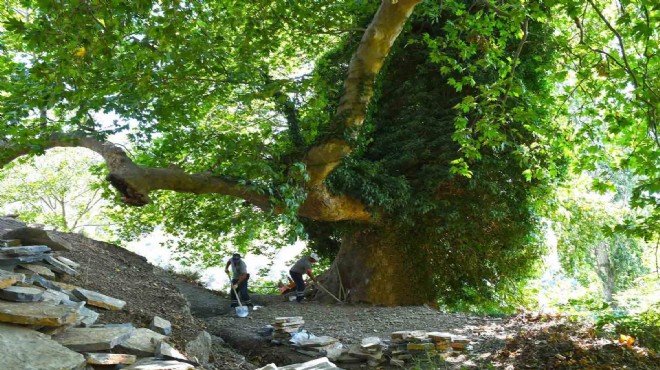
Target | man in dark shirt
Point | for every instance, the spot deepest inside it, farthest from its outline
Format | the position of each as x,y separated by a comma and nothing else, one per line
303,266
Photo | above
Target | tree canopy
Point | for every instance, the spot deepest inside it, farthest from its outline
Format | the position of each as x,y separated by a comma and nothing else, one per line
434,130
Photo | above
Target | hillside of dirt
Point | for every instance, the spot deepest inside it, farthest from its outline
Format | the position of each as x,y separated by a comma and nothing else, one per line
519,342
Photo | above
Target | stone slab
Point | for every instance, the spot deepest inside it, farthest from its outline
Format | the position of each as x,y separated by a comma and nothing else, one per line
22,348
288,319
99,300
142,342
160,325
38,313
370,342
52,295
319,363
166,351
68,262
109,359
9,261
156,364
317,341
30,250
8,279
59,267
21,294
39,269
93,339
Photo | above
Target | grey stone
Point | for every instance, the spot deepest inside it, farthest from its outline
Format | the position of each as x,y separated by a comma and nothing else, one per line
200,348
109,359
317,341
9,278
370,342
59,267
68,262
51,295
317,364
22,294
93,339
142,342
88,317
160,325
22,348
156,364
13,261
39,269
30,250
166,351
38,313
97,299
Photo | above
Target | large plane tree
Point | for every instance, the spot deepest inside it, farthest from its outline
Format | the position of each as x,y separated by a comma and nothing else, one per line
409,140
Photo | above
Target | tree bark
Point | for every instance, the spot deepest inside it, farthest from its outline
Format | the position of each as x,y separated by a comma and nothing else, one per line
372,267
605,271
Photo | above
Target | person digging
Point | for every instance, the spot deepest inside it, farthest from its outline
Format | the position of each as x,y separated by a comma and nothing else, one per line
303,266
239,280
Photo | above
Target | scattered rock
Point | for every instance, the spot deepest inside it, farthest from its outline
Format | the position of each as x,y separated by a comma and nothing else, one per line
200,348
166,351
142,342
160,325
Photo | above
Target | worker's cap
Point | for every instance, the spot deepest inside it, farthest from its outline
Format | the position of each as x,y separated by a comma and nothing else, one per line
314,256
236,257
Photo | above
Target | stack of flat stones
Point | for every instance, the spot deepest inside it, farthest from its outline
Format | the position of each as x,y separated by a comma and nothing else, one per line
47,324
416,345
370,350
284,327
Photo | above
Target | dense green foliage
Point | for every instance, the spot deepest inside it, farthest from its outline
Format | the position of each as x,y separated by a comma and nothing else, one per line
481,109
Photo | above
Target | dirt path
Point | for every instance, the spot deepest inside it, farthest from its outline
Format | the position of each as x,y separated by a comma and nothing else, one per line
348,323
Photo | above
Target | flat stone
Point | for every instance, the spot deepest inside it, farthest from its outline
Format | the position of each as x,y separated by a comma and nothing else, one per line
439,336
51,295
370,342
64,286
21,294
13,261
9,278
38,269
319,363
317,341
142,342
38,313
288,319
166,351
68,262
24,250
160,325
59,267
93,339
421,346
99,300
397,363
109,359
10,243
156,364
88,317
23,348
199,349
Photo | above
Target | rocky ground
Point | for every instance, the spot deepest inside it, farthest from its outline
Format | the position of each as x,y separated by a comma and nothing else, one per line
520,342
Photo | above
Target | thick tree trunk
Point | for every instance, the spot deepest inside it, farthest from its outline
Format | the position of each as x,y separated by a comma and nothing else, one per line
372,267
605,271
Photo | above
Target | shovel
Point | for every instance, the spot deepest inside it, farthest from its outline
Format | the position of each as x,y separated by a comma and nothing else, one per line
241,311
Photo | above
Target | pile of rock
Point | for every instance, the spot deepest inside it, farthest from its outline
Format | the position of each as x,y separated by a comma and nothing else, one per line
408,346
370,350
319,364
46,324
284,327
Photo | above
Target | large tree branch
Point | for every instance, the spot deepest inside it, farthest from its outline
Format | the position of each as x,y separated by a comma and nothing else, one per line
363,68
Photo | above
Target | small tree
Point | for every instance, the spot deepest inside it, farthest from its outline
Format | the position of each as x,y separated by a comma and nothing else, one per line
56,190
